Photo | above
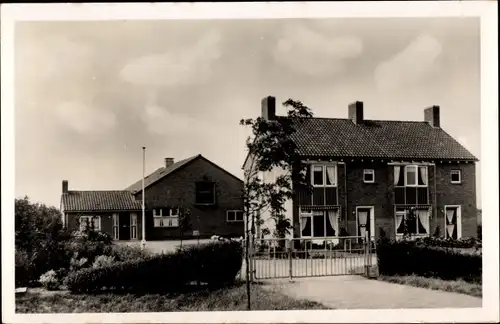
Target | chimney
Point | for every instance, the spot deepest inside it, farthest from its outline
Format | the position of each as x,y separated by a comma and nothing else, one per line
431,115
65,186
169,162
269,108
356,112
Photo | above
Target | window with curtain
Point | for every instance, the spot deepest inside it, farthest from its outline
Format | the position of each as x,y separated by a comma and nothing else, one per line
323,223
419,224
93,221
166,217
411,185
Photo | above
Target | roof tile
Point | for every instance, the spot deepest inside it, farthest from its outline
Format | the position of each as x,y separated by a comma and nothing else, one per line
99,200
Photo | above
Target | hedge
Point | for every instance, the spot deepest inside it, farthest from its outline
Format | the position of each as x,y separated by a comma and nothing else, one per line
409,257
215,263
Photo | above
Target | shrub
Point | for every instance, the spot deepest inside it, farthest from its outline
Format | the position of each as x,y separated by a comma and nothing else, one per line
22,268
215,263
412,257
77,263
463,243
103,261
49,280
125,252
479,232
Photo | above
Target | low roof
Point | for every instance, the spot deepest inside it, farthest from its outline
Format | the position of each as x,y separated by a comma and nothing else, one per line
99,201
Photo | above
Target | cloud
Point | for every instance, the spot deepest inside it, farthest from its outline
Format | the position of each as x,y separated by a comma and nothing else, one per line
412,65
308,52
52,57
85,120
161,121
183,66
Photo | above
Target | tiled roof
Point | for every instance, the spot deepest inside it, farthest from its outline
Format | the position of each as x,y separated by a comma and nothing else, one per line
378,139
159,174
99,200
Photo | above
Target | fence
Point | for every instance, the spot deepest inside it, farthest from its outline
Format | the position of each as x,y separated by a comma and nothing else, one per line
299,257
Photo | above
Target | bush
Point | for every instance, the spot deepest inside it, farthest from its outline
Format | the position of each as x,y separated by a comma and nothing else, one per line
103,261
215,263
49,280
463,243
126,253
411,257
480,232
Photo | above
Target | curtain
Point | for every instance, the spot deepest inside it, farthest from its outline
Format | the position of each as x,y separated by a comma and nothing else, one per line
303,223
397,170
423,216
423,174
450,228
330,172
362,217
449,215
399,220
333,217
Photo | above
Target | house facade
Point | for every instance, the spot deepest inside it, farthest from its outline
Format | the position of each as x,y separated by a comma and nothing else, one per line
212,196
373,176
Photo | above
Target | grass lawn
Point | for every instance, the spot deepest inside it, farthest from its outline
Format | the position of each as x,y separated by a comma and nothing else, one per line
227,299
457,286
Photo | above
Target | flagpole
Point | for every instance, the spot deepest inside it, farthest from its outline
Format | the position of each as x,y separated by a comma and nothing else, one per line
143,241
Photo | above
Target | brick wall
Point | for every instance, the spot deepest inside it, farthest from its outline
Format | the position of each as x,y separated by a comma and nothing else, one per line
179,189
380,195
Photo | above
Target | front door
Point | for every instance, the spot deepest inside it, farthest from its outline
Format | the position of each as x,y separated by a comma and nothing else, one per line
124,226
365,220
453,222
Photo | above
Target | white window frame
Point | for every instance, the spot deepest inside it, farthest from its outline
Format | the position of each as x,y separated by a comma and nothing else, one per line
116,226
133,226
459,220
96,219
311,215
324,167
369,171
165,220
456,171
234,212
405,213
416,166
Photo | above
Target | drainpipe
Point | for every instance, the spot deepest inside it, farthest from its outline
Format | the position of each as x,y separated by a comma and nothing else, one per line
435,199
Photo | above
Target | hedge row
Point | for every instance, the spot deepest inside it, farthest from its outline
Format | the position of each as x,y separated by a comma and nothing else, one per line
215,263
464,243
409,257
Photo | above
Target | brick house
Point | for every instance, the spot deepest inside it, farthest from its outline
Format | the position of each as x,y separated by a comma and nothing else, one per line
213,195
367,175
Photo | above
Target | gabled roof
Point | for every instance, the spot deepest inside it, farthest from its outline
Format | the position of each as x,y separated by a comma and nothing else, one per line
159,174
337,137
163,172
98,201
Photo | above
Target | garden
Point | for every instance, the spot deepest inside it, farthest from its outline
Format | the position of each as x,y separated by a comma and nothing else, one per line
433,262
83,271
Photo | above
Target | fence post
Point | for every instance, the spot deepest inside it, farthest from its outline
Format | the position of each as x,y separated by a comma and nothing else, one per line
290,258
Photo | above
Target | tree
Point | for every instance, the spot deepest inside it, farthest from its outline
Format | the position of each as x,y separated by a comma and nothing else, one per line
271,146
184,221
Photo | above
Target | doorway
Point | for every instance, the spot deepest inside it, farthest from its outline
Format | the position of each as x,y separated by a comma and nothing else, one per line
124,229
365,221
452,222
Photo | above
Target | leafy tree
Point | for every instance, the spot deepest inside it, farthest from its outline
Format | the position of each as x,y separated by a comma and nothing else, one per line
271,146
184,221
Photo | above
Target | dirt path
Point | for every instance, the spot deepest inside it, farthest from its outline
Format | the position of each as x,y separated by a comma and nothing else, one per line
356,292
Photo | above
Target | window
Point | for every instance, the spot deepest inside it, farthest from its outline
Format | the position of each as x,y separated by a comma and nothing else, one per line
417,222
369,175
166,217
456,176
319,223
324,175
234,216
116,227
411,183
205,193
86,220
133,226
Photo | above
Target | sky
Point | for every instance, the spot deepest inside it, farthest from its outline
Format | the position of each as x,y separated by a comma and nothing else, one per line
89,95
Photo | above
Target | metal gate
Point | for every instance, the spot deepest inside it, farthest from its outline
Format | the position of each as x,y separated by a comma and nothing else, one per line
311,257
